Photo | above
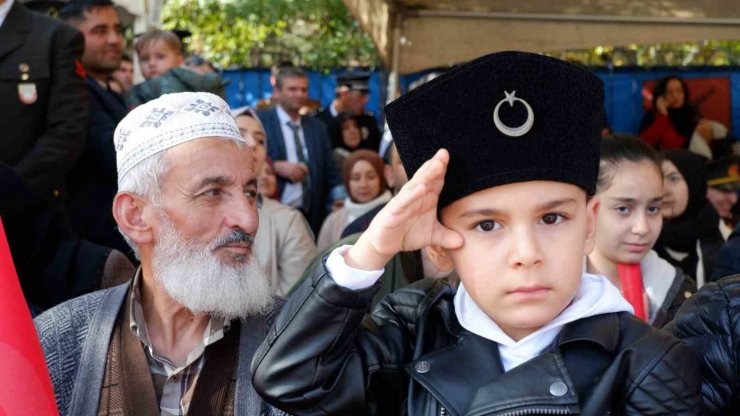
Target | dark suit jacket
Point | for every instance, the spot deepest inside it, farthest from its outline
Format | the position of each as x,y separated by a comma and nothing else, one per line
41,140
322,168
53,264
94,181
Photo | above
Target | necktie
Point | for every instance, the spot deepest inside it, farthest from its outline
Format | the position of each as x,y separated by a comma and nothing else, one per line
302,159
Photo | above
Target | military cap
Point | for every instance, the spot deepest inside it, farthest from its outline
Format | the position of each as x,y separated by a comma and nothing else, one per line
354,81
506,117
723,173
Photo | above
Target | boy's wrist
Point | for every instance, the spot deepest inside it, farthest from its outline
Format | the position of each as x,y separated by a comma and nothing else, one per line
364,256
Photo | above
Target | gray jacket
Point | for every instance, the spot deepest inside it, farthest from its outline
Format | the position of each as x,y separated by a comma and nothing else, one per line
82,327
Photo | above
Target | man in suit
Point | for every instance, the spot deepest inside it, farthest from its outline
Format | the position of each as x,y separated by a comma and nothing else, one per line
351,98
308,178
93,182
42,96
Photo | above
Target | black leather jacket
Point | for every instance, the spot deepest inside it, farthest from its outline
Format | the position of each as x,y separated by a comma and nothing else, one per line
710,323
324,356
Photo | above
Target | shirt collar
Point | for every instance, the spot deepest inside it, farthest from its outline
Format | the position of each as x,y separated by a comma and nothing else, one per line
214,331
333,109
4,10
283,116
595,296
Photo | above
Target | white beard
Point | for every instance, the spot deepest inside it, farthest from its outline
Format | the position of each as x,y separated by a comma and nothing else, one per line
194,277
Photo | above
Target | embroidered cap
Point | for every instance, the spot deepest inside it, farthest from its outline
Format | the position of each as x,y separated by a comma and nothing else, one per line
506,117
170,120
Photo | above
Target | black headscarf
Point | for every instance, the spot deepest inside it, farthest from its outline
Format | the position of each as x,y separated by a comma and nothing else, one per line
698,220
684,119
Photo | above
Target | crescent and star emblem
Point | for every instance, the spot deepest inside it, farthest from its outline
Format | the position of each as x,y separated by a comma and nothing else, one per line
511,98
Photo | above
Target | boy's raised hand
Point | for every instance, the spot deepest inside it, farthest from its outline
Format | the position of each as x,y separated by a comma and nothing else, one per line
408,222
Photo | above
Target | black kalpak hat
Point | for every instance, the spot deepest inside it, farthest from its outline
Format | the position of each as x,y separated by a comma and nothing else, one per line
506,117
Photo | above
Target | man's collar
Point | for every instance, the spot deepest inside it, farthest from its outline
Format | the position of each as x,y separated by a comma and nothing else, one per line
333,108
283,115
214,332
4,10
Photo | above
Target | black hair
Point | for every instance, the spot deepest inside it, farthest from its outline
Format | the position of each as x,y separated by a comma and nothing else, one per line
75,9
126,57
684,118
617,148
288,72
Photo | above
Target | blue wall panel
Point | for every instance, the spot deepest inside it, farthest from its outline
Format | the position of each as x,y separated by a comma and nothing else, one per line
622,95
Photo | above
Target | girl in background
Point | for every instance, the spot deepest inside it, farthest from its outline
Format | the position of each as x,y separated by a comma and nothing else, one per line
630,188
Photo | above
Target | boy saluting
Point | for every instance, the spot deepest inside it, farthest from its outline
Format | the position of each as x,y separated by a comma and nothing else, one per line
504,153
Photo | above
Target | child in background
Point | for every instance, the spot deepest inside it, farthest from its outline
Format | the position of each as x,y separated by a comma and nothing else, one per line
158,51
504,155
630,189
160,59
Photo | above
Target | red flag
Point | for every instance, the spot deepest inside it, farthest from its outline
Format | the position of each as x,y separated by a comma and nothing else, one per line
630,276
25,386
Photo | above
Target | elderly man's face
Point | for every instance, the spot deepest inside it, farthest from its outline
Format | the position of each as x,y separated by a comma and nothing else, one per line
209,195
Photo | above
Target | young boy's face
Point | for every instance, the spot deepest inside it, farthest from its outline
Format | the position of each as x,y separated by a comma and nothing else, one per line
157,57
522,257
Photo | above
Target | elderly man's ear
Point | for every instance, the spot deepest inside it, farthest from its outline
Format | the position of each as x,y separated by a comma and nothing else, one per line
134,216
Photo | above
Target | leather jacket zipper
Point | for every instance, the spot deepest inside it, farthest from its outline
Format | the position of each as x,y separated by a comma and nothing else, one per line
530,411
536,412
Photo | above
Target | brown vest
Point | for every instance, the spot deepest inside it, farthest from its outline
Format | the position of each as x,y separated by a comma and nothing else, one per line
127,384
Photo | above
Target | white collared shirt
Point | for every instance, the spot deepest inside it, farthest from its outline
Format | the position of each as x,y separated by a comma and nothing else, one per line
4,10
333,109
595,296
293,191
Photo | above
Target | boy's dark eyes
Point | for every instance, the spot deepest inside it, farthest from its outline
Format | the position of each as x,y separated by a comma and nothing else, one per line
623,210
487,226
552,219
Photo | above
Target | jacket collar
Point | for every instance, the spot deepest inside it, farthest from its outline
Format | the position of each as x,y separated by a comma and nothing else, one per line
527,386
602,330
15,29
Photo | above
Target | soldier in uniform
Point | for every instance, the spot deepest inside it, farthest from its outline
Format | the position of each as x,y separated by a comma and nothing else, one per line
352,94
44,100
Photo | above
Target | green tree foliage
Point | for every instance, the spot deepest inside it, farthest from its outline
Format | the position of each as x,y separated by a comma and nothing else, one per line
707,53
318,34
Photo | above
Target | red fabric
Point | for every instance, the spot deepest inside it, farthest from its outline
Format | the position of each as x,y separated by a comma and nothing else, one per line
79,69
25,387
630,275
662,135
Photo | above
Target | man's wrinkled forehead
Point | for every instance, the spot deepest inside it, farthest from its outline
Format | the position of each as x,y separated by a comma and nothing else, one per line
210,157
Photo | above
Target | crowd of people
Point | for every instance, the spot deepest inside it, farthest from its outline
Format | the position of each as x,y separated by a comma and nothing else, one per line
185,257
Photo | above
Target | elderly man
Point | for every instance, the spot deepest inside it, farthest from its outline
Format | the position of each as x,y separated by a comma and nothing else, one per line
179,338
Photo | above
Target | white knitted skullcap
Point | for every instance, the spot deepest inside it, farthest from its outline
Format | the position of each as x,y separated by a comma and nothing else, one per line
170,120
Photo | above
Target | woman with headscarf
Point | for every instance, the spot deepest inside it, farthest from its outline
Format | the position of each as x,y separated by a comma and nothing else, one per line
674,123
362,173
690,238
351,137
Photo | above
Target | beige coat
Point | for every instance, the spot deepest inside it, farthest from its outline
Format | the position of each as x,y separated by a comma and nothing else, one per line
284,244
331,229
